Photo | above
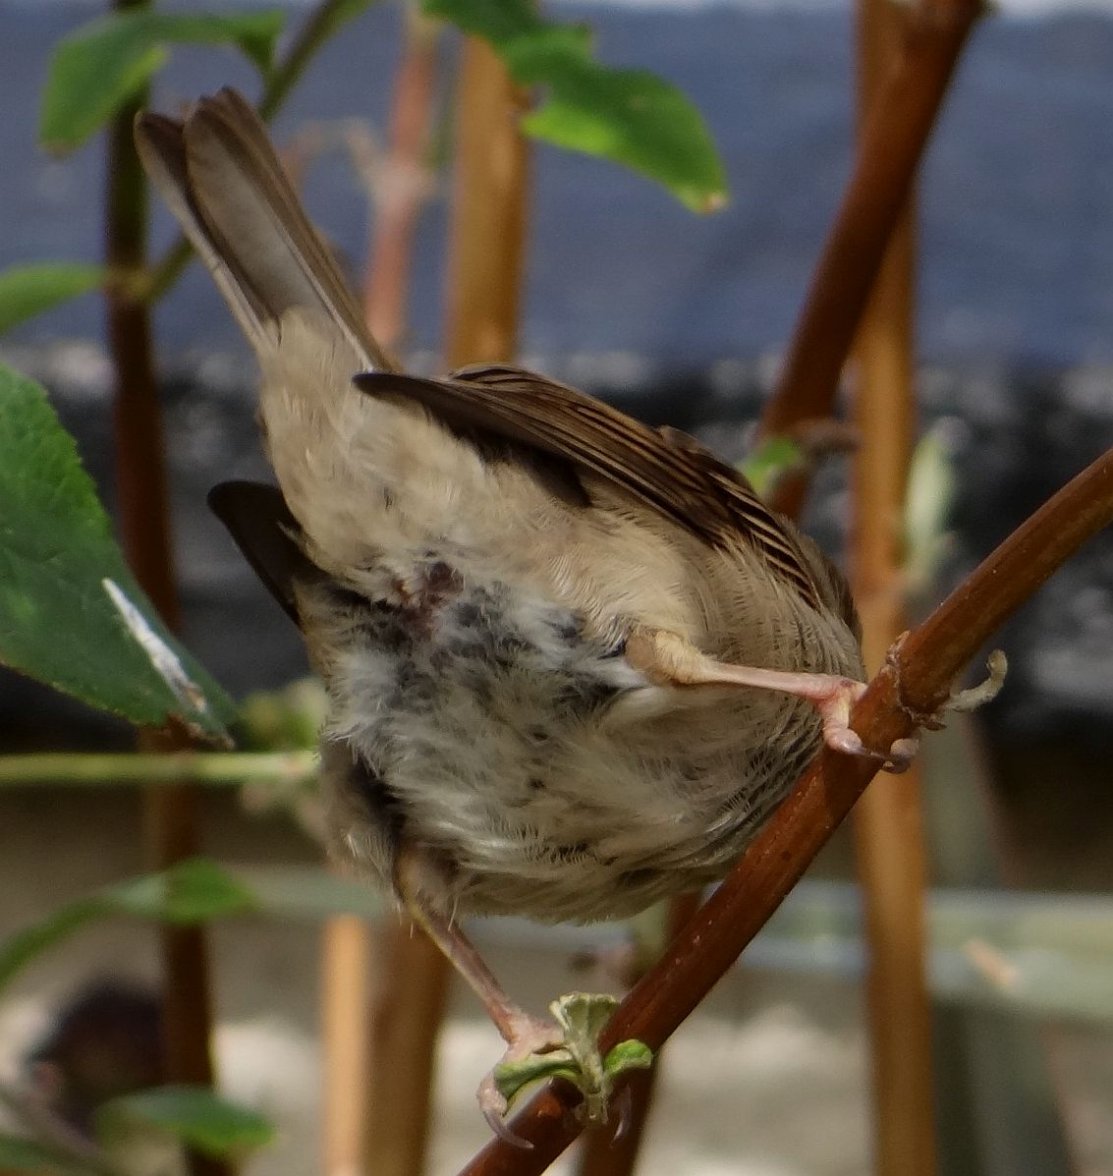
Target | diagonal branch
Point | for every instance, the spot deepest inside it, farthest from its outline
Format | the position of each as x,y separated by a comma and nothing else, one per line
915,682
903,113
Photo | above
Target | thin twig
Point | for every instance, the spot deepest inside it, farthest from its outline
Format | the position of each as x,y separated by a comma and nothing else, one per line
143,505
913,684
212,769
401,183
890,148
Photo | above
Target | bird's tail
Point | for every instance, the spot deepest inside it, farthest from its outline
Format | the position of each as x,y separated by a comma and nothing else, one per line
221,178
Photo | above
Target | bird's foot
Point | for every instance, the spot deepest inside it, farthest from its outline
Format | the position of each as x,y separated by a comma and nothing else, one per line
668,659
834,698
960,701
566,1047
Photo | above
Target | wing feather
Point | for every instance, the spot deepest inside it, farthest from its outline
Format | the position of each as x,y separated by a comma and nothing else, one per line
664,468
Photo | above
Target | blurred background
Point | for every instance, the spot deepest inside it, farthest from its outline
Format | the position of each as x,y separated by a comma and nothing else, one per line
677,319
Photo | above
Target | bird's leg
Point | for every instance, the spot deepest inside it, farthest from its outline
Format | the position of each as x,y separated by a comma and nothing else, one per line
667,659
535,1047
525,1035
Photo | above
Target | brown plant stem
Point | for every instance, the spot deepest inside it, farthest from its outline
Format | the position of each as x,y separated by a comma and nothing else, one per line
403,183
617,1155
888,822
170,814
409,982
345,1032
912,685
488,213
890,147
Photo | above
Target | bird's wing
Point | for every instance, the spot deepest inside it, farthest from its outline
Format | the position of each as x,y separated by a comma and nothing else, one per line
664,468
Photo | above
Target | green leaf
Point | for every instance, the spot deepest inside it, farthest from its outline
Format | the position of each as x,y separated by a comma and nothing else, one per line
105,63
193,891
199,1118
197,891
71,613
927,507
629,116
581,1016
770,462
511,1078
21,948
28,290
18,1155
626,1056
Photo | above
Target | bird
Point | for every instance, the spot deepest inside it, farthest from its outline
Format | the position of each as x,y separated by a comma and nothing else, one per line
573,663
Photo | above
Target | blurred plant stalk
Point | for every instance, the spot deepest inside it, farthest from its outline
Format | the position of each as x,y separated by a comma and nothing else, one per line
888,821
170,813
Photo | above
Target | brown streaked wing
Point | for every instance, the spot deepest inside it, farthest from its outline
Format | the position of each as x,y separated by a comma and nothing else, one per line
666,469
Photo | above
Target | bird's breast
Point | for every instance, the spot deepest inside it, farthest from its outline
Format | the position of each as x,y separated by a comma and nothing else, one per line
473,714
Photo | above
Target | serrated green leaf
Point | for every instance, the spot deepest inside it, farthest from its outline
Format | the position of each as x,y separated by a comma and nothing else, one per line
102,65
28,290
71,613
201,1119
634,118
583,1016
630,116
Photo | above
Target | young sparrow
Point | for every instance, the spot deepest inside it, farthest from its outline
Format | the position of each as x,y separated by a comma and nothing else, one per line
573,662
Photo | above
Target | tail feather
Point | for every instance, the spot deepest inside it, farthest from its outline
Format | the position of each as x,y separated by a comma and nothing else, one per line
222,180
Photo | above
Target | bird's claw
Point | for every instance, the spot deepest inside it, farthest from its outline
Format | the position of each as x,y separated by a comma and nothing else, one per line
970,699
960,701
567,1049
836,705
